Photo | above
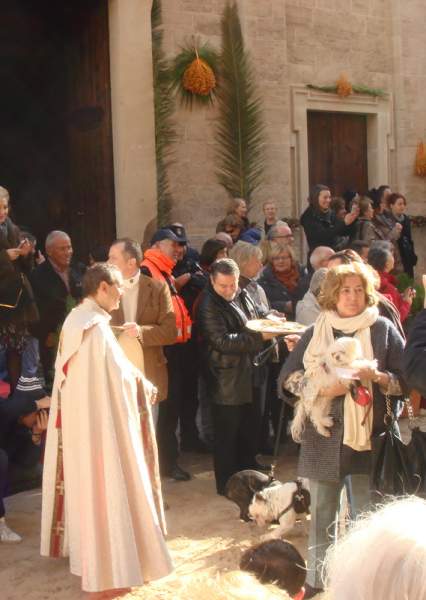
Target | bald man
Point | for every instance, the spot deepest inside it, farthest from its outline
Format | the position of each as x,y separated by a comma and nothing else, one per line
57,288
320,257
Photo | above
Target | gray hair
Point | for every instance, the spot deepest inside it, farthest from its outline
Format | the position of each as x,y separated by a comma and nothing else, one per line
4,193
378,256
319,254
53,235
224,266
273,232
385,244
243,252
316,280
394,540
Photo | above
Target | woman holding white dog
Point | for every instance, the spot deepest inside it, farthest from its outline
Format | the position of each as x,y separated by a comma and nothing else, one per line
348,308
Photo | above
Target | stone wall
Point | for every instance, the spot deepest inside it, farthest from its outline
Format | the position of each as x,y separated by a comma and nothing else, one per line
379,43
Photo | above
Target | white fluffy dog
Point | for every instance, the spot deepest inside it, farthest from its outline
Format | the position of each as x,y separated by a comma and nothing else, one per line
283,503
344,353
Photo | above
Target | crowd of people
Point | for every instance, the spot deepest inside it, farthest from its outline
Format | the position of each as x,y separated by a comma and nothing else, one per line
180,318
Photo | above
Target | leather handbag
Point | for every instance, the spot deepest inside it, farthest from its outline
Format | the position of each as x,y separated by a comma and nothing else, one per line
392,473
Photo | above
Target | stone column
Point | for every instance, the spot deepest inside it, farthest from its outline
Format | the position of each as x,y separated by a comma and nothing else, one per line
133,122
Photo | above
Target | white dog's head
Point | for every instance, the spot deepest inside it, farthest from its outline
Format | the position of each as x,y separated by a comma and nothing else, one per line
343,352
259,509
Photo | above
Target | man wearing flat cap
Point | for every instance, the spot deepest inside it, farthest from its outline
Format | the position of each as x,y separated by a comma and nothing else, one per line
158,263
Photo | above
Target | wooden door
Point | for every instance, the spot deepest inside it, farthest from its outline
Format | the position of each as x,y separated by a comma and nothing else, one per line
56,150
337,147
90,164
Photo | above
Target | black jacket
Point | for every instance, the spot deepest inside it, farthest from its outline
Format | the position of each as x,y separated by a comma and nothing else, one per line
414,358
228,349
324,229
278,295
52,296
406,246
14,285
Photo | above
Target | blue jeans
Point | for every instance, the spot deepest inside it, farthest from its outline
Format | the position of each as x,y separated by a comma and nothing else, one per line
30,358
325,504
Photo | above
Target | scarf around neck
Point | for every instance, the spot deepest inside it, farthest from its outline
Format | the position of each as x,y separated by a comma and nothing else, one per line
289,279
355,435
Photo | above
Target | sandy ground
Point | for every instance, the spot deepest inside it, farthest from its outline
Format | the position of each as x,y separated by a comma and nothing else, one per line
205,536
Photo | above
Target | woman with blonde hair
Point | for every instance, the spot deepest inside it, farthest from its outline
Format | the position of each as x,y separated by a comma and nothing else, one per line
383,556
348,303
285,281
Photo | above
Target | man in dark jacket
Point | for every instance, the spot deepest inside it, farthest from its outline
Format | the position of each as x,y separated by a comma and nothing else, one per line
414,358
228,349
56,285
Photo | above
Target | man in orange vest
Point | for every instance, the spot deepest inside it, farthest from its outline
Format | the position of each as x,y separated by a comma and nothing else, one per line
158,263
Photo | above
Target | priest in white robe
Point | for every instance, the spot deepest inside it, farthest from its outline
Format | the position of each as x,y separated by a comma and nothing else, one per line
102,503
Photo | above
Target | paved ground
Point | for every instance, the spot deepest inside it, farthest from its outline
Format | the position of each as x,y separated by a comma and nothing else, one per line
205,535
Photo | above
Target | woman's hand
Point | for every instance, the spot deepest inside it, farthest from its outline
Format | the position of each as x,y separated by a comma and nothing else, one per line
367,373
332,391
409,295
13,253
397,229
352,216
291,341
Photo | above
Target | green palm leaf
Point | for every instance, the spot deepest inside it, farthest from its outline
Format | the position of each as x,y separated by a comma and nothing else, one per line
240,128
164,104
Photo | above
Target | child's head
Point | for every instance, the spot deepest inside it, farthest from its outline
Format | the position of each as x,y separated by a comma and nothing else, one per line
276,561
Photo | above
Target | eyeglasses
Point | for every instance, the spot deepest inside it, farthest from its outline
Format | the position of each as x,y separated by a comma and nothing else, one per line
277,258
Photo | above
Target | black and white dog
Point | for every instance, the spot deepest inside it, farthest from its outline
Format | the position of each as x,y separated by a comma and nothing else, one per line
241,487
284,503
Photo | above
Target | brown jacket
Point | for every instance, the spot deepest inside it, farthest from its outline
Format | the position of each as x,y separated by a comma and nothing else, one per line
156,317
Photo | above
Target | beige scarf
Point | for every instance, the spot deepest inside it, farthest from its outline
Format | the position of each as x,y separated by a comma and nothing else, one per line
355,435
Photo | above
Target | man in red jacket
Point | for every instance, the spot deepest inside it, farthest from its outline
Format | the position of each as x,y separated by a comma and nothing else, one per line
158,263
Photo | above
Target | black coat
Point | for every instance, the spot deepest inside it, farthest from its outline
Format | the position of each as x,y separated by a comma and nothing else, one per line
406,246
324,229
228,349
414,359
52,296
278,295
14,285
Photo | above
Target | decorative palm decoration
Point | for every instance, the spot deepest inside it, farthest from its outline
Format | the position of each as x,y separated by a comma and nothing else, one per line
240,129
194,74
165,134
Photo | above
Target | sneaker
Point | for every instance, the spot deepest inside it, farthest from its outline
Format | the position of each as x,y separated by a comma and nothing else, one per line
8,536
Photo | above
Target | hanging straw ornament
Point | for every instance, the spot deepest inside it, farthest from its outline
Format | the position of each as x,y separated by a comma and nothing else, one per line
199,77
420,165
343,86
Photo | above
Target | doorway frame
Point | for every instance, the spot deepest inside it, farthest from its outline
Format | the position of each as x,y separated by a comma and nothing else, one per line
380,135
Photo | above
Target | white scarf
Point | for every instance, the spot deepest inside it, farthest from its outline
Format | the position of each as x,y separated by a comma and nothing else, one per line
355,435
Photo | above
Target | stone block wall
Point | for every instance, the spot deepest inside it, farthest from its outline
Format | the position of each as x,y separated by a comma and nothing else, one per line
378,43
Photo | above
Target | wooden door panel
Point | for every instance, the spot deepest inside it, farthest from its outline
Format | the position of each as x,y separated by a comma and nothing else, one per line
91,188
337,144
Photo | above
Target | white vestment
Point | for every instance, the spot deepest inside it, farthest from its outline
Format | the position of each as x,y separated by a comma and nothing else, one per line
102,502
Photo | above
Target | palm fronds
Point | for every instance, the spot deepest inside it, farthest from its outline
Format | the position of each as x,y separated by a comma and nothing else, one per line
240,129
192,52
164,104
